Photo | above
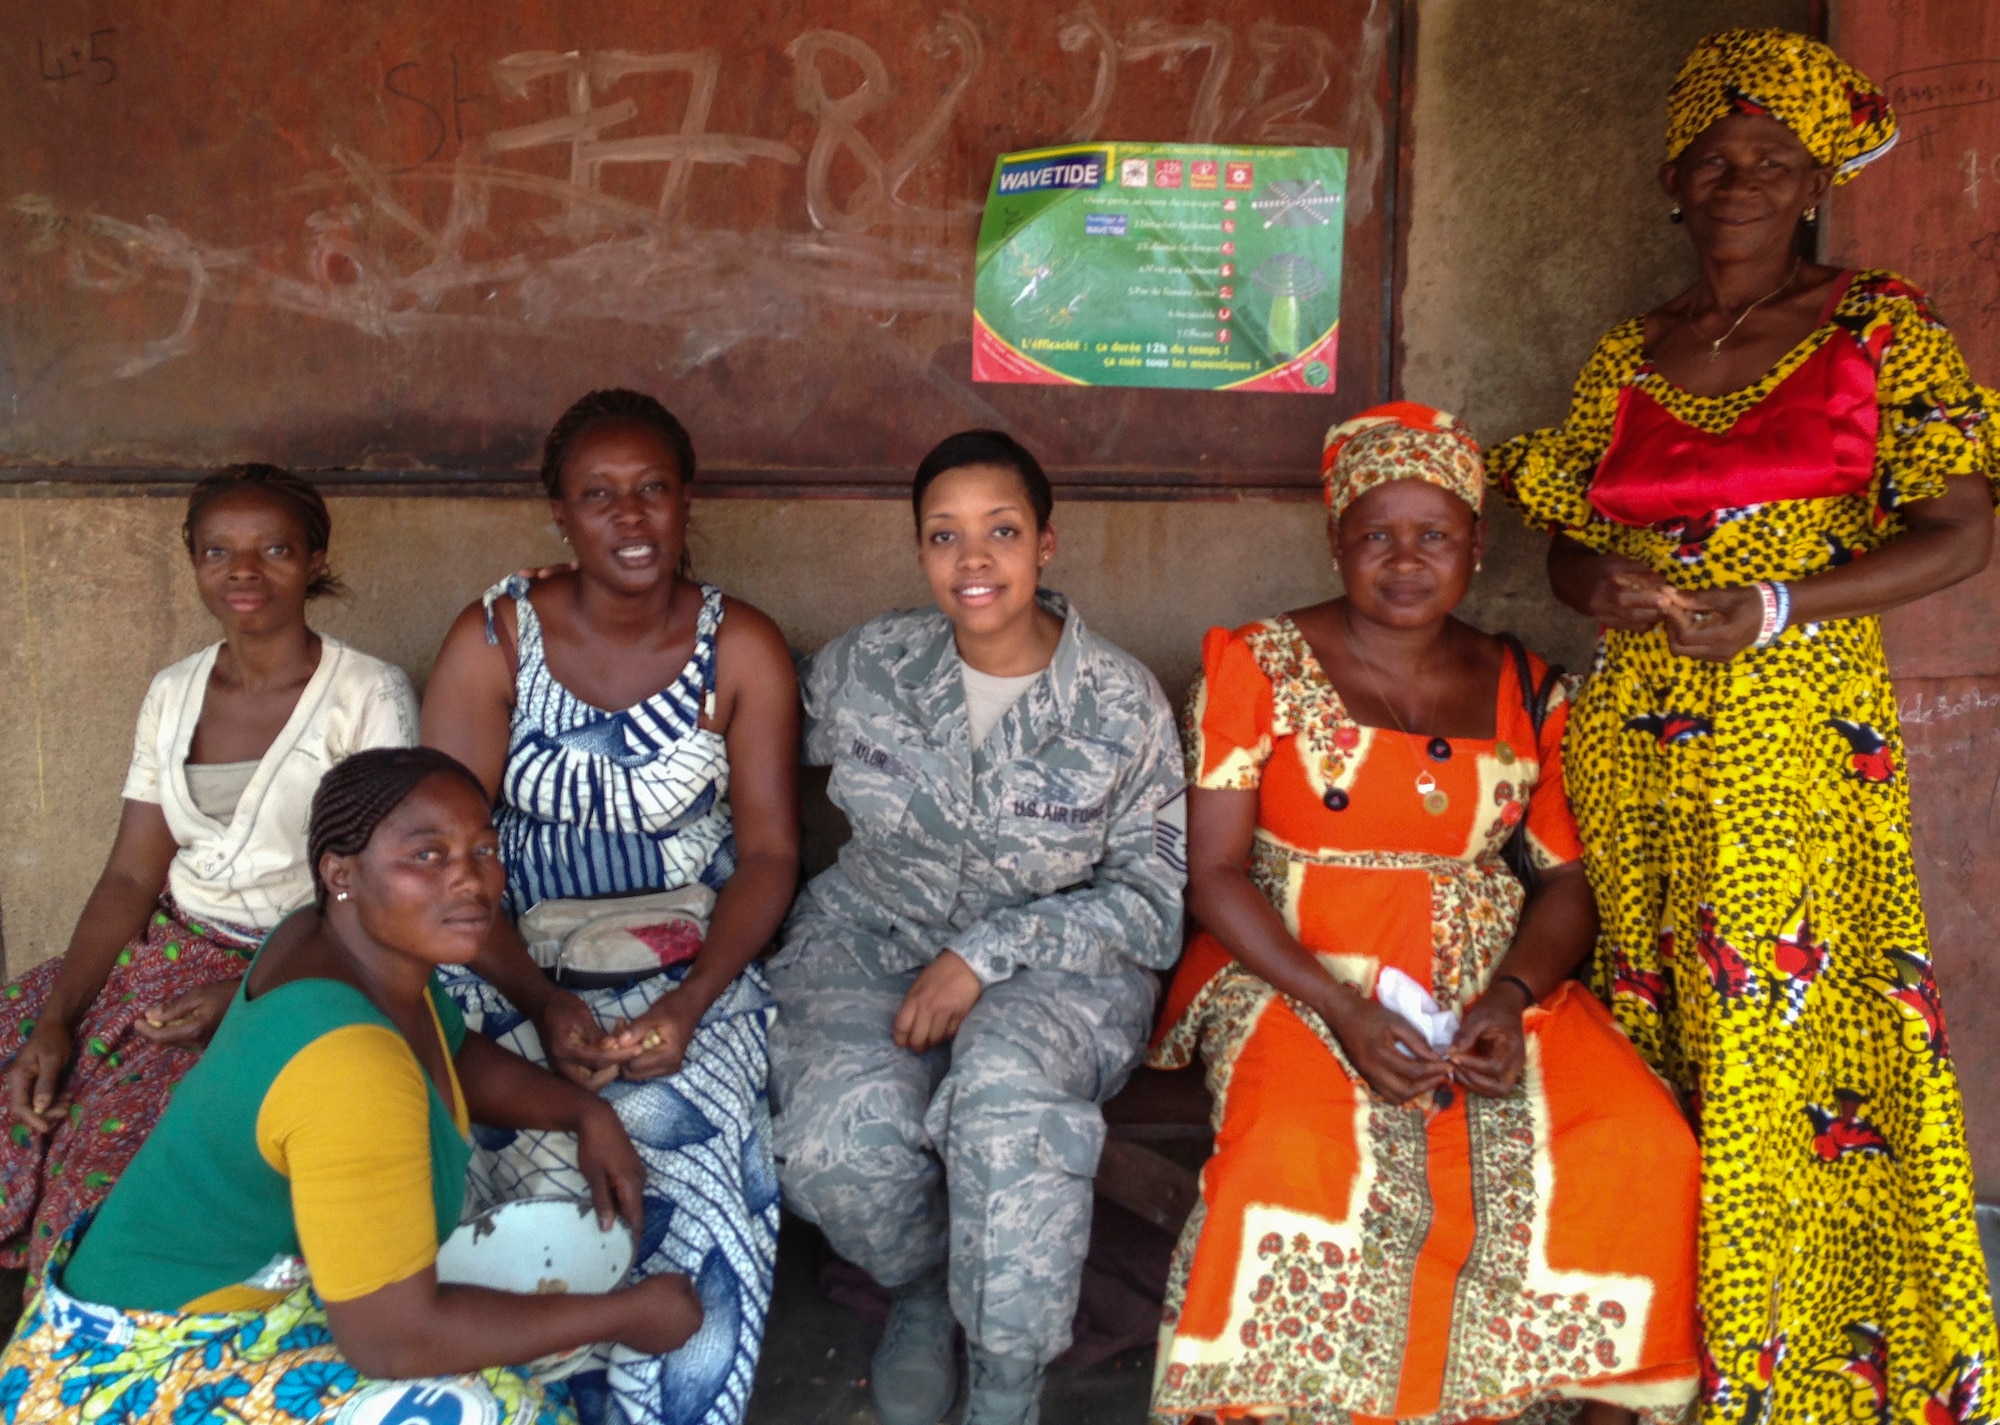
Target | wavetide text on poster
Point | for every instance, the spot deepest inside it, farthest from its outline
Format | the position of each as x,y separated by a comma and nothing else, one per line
1193,266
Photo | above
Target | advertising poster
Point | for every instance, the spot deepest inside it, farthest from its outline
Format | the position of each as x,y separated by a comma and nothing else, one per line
1191,266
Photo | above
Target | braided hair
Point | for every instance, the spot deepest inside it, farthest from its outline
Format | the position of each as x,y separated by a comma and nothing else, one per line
360,792
607,405
290,491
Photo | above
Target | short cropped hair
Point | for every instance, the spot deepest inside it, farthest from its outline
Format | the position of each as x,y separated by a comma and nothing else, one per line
985,447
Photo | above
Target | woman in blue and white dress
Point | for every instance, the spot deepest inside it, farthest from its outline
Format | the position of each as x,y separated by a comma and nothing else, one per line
692,782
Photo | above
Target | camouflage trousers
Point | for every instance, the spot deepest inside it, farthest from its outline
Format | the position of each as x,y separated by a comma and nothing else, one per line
977,1156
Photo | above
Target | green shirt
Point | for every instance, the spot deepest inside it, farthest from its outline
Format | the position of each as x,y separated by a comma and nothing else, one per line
200,1208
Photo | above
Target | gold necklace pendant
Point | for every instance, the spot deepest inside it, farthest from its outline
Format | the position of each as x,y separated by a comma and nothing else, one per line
1435,801
1715,347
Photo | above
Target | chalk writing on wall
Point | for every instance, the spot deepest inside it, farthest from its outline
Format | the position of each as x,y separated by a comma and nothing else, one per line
1931,211
87,57
478,196
1950,119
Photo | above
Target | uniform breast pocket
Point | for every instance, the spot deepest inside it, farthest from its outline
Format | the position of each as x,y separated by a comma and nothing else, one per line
1051,819
872,783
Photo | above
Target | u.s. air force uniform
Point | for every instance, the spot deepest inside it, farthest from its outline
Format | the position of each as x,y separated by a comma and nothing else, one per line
1051,858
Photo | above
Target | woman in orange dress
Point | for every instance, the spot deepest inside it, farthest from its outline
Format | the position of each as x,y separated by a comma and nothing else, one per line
1444,1185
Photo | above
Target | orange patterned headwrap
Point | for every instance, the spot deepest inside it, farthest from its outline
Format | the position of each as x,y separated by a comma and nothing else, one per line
1403,440
1844,121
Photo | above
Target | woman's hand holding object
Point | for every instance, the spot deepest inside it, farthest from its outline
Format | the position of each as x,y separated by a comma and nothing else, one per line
1491,1048
573,1041
654,1043
189,1020
1389,1052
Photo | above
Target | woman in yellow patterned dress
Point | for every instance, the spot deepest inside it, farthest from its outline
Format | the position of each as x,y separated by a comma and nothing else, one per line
1735,761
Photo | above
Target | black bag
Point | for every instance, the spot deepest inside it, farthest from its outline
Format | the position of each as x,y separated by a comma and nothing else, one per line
1515,853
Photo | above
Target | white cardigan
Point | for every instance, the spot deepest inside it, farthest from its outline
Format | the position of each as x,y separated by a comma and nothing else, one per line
251,871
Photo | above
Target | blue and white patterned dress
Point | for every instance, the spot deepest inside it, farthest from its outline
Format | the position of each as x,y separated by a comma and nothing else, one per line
595,803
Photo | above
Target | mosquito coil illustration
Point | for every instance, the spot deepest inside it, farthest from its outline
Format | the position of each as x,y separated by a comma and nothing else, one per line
1290,279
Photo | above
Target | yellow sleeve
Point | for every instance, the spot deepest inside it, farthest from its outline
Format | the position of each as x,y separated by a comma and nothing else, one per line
348,1122
1936,423
1546,474
1989,398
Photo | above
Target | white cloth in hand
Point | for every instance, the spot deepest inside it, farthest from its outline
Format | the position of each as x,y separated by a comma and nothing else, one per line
1401,995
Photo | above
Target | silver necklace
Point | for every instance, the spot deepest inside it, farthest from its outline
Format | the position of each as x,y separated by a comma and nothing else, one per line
1715,347
1435,801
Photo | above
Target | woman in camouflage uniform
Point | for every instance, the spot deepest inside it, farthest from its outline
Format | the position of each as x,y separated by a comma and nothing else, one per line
975,976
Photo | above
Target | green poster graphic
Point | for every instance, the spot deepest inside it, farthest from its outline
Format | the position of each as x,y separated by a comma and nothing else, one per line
1193,266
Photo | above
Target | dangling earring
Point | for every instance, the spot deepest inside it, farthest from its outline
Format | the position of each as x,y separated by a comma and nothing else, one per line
1674,214
1812,214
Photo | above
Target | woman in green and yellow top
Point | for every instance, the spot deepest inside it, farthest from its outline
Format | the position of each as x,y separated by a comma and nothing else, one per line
270,1254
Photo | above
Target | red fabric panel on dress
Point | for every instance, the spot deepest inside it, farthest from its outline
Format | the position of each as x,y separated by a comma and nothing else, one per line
1811,438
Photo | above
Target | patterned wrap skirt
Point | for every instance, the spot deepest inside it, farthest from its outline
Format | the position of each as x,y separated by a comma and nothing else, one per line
711,1191
118,1080
76,1360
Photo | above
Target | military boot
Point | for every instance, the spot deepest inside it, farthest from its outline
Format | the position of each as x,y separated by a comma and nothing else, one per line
914,1377
1006,1390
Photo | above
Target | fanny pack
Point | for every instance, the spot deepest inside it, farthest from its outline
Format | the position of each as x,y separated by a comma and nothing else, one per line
618,942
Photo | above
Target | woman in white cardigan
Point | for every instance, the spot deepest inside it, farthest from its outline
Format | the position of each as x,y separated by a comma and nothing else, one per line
210,854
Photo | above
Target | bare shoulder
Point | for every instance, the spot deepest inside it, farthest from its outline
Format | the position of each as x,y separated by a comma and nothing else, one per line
1817,281
1476,647
299,949
1321,619
1481,659
468,659
1670,316
469,627
1322,628
750,645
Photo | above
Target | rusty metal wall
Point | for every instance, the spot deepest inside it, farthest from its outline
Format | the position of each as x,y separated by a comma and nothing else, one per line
1931,210
401,237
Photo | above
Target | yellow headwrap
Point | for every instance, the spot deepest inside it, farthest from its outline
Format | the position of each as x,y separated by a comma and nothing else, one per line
1843,120
1401,441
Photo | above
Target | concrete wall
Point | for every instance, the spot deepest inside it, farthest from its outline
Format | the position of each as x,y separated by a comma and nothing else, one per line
1535,225
98,596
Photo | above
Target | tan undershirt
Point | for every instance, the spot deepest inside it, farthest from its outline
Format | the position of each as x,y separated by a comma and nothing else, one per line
217,787
987,698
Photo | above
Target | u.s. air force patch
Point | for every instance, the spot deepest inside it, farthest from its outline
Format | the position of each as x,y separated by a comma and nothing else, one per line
1031,809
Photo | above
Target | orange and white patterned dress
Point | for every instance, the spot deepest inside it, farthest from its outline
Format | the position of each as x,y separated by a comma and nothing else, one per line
1459,1258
